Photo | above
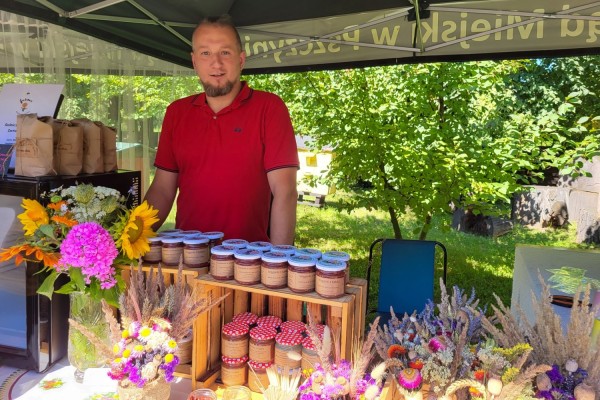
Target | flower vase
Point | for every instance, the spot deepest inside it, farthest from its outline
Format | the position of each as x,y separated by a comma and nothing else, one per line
158,389
82,353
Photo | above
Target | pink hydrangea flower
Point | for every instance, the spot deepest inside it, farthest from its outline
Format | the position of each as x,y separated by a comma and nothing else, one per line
90,247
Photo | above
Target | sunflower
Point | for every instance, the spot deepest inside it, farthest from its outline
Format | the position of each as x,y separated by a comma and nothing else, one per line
60,219
35,215
138,228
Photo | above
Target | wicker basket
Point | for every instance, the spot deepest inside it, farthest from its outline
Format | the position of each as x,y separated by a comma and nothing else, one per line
184,349
158,389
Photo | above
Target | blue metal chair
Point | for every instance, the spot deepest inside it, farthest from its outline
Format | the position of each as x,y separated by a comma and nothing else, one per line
406,275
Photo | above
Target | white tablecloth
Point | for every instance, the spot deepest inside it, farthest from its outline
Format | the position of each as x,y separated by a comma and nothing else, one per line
96,386
531,259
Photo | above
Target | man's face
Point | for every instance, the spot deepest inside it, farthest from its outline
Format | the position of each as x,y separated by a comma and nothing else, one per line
217,59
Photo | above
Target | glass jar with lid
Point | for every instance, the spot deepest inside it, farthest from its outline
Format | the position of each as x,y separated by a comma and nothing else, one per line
288,249
341,256
195,253
169,232
248,318
263,247
246,266
272,321
274,270
171,250
221,262
234,340
330,281
214,238
237,243
286,344
258,379
262,344
314,253
301,273
293,327
154,255
234,370
309,354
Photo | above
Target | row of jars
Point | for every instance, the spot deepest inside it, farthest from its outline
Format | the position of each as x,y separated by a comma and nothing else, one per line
301,270
262,346
174,245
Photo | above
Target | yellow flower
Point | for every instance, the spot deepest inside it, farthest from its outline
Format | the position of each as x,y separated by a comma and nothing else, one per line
145,331
35,215
116,349
169,357
134,239
138,347
126,353
125,334
172,344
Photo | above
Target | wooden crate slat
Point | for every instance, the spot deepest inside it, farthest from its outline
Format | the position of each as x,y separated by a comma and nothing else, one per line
277,306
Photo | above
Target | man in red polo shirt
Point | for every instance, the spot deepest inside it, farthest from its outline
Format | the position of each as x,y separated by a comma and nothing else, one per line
230,151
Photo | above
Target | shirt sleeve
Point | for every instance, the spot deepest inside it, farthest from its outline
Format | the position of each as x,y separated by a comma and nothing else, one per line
165,154
279,140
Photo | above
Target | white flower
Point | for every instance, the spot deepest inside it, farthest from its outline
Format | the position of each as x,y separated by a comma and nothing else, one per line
494,386
372,392
571,365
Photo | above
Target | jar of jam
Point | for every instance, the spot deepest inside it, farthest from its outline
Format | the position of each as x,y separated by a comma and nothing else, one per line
269,321
314,253
190,233
247,318
309,354
170,232
286,343
246,266
263,247
195,253
301,273
339,255
154,255
284,248
274,270
293,327
262,344
214,238
221,262
171,250
234,370
234,340
202,394
237,243
331,278
258,379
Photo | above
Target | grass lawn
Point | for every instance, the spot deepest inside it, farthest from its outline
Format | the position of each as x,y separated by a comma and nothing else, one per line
473,262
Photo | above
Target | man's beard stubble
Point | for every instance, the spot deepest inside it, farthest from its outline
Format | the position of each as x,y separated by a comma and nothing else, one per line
216,91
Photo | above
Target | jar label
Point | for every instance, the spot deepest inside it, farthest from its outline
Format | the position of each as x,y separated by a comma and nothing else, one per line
247,273
233,375
274,276
302,281
196,256
331,286
154,255
221,268
282,359
262,353
234,348
171,255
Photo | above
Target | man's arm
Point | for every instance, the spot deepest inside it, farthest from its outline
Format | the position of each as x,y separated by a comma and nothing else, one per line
161,194
283,209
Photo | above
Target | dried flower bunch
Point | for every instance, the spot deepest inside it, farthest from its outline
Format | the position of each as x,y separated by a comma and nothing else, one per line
572,353
154,317
83,231
334,377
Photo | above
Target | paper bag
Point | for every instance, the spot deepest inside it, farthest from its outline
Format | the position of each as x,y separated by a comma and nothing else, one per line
109,143
93,160
34,147
68,146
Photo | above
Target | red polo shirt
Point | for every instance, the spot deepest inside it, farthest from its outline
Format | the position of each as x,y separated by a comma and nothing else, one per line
223,159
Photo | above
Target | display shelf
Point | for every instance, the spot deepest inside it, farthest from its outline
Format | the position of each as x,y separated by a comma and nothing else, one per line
344,315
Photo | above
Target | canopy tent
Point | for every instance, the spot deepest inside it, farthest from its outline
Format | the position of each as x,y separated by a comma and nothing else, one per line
316,34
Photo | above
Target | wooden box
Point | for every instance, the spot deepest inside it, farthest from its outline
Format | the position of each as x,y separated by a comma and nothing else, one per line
345,314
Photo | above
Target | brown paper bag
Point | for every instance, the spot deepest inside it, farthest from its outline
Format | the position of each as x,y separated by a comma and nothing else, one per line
68,146
93,161
34,147
109,143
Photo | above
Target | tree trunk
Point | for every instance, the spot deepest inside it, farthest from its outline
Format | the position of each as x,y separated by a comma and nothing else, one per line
425,228
395,224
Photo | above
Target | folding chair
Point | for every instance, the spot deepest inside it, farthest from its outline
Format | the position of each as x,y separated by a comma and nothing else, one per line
406,275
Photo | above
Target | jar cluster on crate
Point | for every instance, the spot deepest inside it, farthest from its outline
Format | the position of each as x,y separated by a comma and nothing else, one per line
276,267
171,246
256,343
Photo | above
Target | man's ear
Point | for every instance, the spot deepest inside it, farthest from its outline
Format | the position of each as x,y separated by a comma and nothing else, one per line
242,60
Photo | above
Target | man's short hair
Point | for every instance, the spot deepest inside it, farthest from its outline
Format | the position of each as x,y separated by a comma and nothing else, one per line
222,21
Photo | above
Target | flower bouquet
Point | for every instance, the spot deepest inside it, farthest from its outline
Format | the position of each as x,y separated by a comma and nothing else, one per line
338,378
81,232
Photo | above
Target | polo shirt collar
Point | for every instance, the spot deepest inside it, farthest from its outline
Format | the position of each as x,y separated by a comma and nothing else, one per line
243,95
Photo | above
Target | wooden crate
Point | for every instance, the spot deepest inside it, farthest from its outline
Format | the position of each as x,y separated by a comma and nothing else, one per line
170,277
340,314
